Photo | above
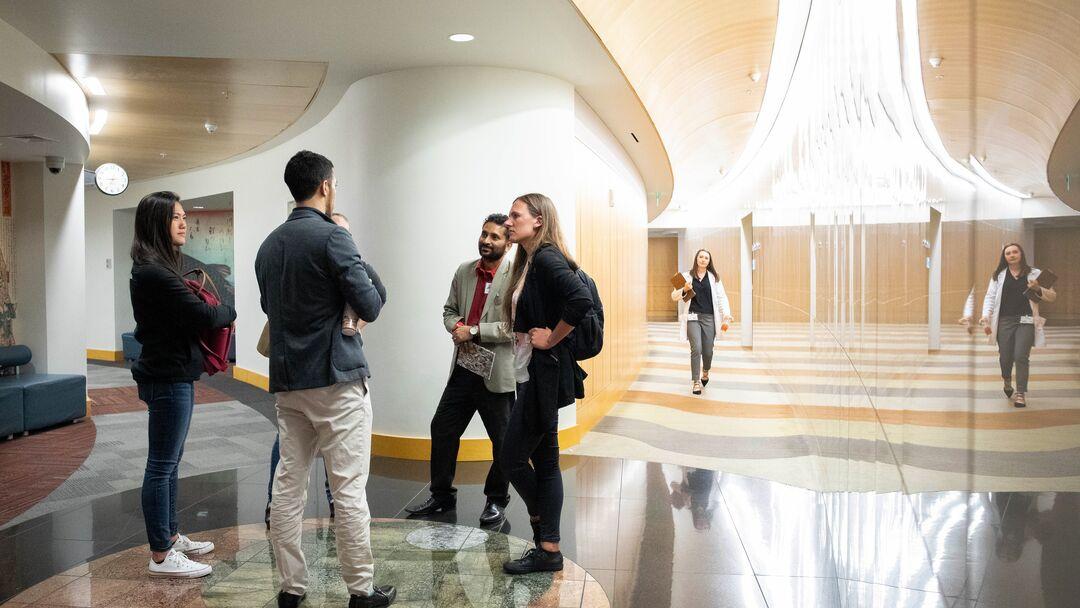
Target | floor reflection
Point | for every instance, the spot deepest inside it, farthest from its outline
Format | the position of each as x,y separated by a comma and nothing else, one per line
650,535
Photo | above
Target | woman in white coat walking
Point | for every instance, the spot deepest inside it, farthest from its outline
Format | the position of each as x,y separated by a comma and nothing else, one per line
1012,320
697,317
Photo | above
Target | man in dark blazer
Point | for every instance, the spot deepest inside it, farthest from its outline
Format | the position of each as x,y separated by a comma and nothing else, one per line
308,269
473,314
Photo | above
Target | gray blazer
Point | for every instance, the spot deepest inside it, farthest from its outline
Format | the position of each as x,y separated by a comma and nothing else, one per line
494,333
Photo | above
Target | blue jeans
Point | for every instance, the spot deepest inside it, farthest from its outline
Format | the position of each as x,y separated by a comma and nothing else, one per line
275,456
170,406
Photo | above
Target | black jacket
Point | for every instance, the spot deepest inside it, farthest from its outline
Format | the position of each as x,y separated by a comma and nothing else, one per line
552,293
168,317
308,269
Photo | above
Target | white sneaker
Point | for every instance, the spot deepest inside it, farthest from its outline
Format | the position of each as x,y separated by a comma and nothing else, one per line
187,546
177,565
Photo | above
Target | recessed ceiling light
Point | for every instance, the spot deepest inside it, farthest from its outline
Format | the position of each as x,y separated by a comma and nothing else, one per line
462,37
100,116
93,85
755,76
935,62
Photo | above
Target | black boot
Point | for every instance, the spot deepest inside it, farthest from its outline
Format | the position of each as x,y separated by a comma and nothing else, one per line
288,600
535,560
383,596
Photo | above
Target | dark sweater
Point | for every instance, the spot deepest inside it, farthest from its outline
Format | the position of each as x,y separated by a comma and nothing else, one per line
168,317
552,293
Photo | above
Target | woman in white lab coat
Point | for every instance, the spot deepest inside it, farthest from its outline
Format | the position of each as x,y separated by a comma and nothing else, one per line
697,317
1012,320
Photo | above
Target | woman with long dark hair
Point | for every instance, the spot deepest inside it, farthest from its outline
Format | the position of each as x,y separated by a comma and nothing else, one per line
168,317
698,315
545,300
1012,319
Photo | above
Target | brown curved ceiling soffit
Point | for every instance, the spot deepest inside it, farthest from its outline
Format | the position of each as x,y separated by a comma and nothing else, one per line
158,107
691,62
1063,170
1008,81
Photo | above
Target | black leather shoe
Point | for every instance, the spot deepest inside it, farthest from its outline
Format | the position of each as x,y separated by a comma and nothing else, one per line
267,517
331,510
432,506
535,560
494,513
383,596
288,600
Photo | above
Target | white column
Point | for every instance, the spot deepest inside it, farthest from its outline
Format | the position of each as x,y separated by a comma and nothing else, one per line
436,151
746,280
934,303
50,313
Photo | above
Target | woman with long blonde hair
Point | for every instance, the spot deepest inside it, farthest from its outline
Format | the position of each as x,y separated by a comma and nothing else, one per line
545,301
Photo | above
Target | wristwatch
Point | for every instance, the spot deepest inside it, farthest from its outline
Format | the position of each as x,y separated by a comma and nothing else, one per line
474,331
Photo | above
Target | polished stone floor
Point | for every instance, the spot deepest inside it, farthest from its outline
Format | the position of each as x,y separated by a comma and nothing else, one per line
431,564
654,535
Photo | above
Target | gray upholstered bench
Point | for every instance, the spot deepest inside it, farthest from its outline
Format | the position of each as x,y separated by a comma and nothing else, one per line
33,401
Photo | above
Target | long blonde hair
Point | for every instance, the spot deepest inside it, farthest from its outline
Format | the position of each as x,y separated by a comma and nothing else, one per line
549,232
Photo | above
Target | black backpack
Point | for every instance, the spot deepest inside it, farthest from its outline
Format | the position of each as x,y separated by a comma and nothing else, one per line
589,334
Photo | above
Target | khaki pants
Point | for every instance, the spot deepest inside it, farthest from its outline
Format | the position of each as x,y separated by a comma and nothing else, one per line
336,421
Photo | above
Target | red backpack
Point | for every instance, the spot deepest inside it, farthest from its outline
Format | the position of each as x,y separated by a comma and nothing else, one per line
214,343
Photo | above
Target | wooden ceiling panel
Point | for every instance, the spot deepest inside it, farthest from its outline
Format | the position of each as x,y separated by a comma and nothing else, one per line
1009,80
690,61
159,105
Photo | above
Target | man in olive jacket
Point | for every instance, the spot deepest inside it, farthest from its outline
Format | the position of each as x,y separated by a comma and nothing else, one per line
473,316
308,268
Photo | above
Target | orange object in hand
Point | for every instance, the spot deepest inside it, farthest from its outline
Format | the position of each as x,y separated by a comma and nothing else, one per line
723,327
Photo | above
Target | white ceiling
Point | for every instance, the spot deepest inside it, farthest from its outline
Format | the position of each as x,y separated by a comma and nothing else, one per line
359,38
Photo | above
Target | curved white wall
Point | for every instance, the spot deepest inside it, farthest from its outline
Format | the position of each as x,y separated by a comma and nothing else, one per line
422,156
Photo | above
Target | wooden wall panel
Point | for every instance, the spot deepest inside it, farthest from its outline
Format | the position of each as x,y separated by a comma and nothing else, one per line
612,246
897,280
1057,249
782,274
663,262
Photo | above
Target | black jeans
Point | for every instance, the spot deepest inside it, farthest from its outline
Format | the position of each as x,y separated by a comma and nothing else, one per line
464,395
539,484
170,406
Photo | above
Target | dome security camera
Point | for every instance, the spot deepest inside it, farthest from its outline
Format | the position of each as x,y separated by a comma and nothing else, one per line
55,164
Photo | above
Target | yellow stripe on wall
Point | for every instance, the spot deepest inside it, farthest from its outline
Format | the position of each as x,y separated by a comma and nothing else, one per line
104,355
419,448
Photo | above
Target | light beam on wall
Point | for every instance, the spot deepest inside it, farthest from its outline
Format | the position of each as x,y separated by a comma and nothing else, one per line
101,115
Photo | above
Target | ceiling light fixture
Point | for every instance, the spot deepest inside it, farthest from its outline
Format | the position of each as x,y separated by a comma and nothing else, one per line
93,85
935,62
198,207
462,37
101,115
755,76
210,127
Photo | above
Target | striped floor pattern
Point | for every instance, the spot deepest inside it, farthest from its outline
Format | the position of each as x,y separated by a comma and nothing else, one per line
883,415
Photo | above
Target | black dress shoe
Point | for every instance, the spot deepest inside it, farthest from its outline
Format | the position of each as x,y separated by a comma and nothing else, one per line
383,596
288,600
267,517
535,560
494,513
432,506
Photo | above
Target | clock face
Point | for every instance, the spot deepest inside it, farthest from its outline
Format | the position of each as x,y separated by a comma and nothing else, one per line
111,179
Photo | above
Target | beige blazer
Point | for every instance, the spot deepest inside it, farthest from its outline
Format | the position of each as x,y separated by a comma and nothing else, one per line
494,333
